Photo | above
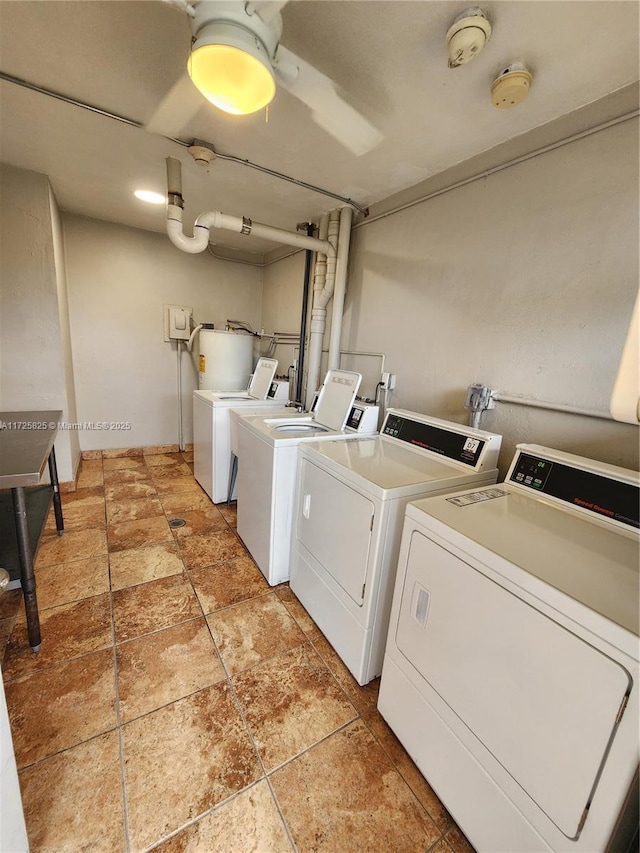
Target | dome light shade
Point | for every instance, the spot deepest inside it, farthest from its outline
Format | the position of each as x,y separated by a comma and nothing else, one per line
231,68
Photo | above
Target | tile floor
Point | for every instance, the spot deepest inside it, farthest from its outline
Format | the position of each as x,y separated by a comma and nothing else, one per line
180,703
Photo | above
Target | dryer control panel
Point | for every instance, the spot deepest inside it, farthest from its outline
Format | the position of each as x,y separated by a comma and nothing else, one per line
444,442
598,493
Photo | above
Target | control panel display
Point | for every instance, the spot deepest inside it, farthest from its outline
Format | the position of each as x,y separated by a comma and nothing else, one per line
596,493
454,445
355,416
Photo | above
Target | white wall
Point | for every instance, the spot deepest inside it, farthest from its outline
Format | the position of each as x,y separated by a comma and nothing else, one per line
282,289
523,280
33,336
118,280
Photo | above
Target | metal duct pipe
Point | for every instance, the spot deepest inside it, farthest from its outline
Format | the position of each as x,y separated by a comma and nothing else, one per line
303,319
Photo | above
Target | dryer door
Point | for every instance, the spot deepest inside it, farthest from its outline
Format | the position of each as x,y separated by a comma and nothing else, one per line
540,699
334,524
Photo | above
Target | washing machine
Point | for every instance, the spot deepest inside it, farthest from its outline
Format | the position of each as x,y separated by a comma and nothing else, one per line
511,668
348,513
211,430
235,415
268,451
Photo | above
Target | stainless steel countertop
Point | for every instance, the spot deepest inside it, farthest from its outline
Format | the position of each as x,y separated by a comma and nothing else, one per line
26,439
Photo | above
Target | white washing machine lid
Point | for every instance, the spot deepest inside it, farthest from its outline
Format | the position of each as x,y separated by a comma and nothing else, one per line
256,393
334,403
387,470
569,548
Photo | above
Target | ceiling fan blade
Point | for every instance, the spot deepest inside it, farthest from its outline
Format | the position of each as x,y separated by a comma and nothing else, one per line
328,109
181,103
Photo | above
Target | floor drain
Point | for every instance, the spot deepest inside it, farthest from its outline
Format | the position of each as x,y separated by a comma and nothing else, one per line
177,522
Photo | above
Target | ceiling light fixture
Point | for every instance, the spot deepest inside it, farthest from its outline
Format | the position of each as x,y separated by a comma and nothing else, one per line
150,197
231,65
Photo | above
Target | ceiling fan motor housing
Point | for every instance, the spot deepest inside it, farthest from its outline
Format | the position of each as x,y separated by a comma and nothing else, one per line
222,21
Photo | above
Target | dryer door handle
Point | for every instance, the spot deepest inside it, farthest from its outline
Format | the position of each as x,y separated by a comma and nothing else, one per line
306,505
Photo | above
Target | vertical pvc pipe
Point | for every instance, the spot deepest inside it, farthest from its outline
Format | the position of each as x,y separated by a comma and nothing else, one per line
318,318
342,260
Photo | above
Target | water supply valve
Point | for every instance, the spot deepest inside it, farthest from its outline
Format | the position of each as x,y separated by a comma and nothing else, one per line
479,398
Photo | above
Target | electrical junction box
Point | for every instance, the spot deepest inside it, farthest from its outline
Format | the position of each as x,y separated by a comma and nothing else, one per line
177,322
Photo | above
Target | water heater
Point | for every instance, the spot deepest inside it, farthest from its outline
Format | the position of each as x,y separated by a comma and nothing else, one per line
226,360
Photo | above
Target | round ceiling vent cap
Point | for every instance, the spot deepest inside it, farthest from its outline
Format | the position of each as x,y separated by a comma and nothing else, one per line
511,86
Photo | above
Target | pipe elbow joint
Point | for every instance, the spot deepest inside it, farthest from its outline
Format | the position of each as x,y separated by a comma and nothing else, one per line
191,245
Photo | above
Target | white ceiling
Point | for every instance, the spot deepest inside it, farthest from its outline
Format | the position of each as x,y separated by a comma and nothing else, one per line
387,56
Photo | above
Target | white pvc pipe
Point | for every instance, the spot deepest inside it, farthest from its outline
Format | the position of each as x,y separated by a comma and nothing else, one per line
321,296
344,238
216,219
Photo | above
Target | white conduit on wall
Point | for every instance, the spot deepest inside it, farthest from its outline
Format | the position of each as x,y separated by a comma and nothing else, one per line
515,399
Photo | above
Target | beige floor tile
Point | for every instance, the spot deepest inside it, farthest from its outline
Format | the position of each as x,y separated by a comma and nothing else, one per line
182,760
92,464
229,513
66,582
170,472
227,583
78,516
167,486
161,459
74,545
457,842
363,698
122,462
68,631
130,510
199,521
248,822
296,609
86,497
187,455
344,794
127,475
210,548
91,454
119,452
176,504
10,603
138,533
154,450
6,627
291,702
253,631
62,706
140,565
87,479
139,610
130,491
64,811
407,769
159,668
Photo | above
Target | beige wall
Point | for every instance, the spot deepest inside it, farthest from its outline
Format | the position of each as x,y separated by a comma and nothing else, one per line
282,289
119,278
524,281
34,340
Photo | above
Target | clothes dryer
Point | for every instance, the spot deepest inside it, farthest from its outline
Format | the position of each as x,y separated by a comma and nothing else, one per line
268,451
511,670
211,430
348,514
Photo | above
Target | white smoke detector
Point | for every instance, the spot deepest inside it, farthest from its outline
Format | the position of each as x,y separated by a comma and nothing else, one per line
511,86
467,36
202,155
